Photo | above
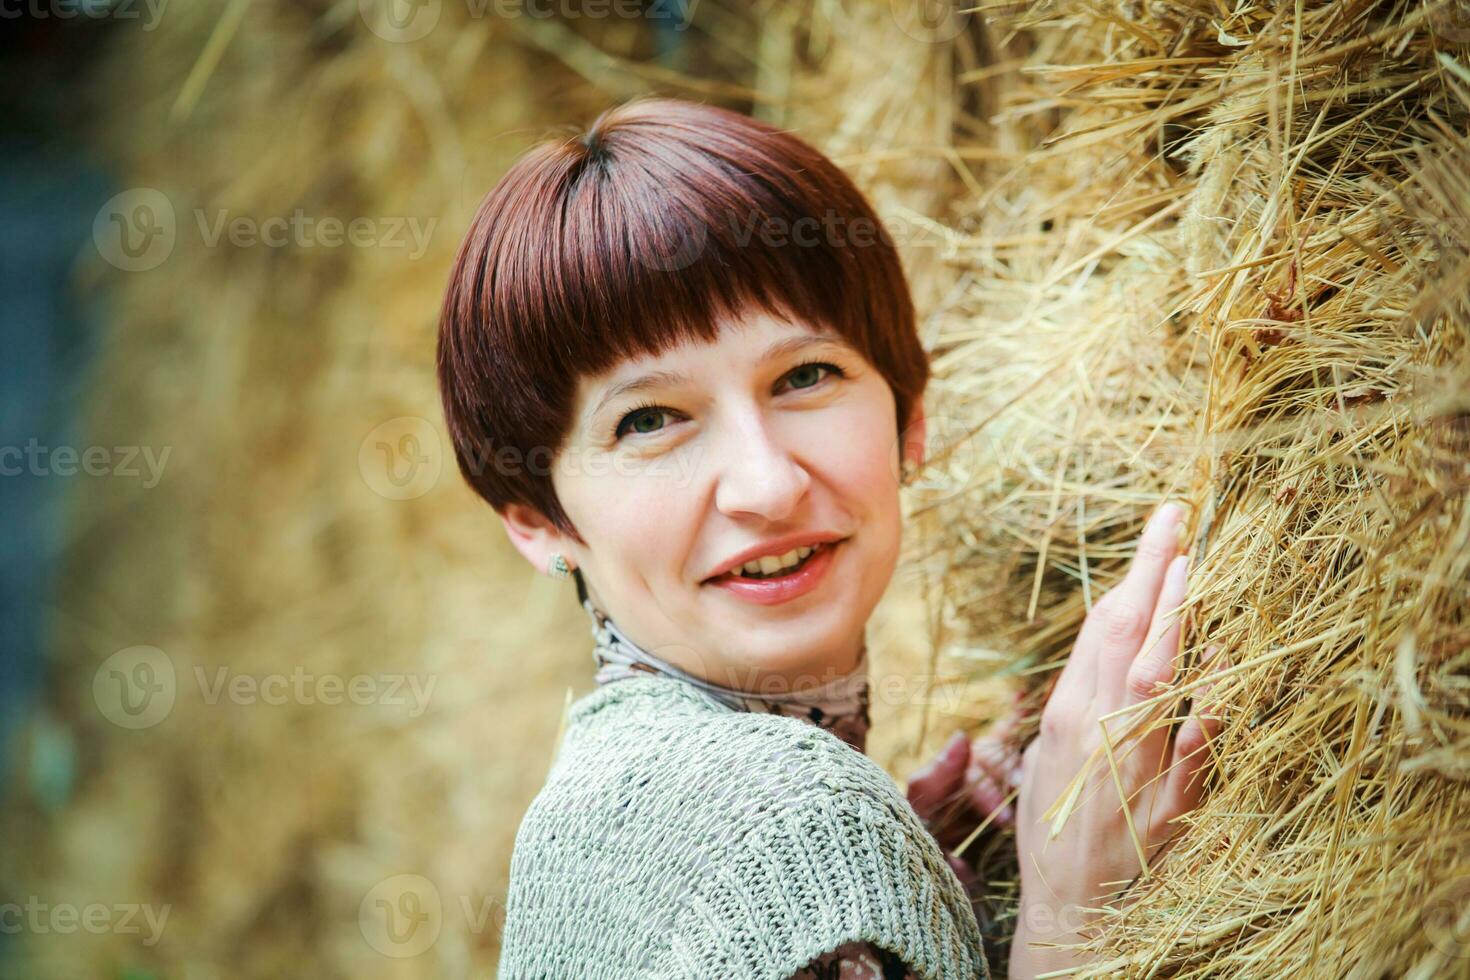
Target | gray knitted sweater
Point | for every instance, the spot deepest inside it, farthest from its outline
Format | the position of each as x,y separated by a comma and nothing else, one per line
678,838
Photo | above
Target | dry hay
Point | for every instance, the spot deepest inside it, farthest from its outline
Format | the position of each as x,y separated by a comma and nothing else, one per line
1233,269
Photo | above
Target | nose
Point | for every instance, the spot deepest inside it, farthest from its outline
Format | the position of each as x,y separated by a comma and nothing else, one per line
758,474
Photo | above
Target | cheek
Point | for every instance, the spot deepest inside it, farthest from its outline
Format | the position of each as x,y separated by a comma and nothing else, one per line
855,447
628,519
644,521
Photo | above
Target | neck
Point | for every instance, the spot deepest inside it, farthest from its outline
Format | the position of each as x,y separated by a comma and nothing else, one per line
835,701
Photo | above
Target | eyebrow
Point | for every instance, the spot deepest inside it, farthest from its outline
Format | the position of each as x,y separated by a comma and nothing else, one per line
660,379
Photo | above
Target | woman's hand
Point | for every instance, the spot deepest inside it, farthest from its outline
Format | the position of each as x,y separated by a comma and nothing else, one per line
969,782
1128,644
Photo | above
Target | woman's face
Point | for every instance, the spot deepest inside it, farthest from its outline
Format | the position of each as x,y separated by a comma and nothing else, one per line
772,438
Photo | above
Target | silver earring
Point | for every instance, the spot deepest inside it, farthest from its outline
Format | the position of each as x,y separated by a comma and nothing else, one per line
557,567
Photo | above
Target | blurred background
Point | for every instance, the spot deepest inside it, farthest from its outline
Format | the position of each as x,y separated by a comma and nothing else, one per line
275,690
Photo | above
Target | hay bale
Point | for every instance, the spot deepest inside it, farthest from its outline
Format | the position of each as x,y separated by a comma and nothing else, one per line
1233,269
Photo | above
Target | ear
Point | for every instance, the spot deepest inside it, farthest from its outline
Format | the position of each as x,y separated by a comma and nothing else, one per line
535,537
912,447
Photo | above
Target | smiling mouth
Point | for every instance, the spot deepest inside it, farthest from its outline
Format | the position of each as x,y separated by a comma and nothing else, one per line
740,574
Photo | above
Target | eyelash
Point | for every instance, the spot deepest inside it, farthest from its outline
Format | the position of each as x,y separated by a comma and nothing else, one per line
647,406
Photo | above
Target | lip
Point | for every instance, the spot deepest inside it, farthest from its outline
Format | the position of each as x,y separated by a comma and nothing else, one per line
775,546
770,592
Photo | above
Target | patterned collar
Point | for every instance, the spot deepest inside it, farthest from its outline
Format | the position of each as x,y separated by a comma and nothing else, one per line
840,706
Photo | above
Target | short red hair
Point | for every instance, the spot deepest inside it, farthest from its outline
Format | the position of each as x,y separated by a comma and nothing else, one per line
664,219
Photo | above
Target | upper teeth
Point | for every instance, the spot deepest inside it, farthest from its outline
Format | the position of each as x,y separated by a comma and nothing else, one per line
766,564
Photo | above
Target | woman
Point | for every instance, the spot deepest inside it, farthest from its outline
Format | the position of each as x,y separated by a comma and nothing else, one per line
678,357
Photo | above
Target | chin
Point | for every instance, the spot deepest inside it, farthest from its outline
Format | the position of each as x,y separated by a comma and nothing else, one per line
805,645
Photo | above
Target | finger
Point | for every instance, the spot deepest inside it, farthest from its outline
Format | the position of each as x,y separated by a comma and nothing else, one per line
1010,723
997,754
1078,679
1024,806
988,778
1079,676
1158,659
1126,615
934,783
991,800
1191,757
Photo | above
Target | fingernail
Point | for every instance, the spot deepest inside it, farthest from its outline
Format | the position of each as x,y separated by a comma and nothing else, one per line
1179,569
1168,514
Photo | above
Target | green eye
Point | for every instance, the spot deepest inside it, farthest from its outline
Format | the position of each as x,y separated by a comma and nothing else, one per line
638,417
805,371
809,374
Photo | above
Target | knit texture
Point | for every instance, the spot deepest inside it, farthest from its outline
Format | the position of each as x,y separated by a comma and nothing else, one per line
678,838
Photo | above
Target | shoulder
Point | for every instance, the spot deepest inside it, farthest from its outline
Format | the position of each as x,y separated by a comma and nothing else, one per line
661,743
746,844
840,857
